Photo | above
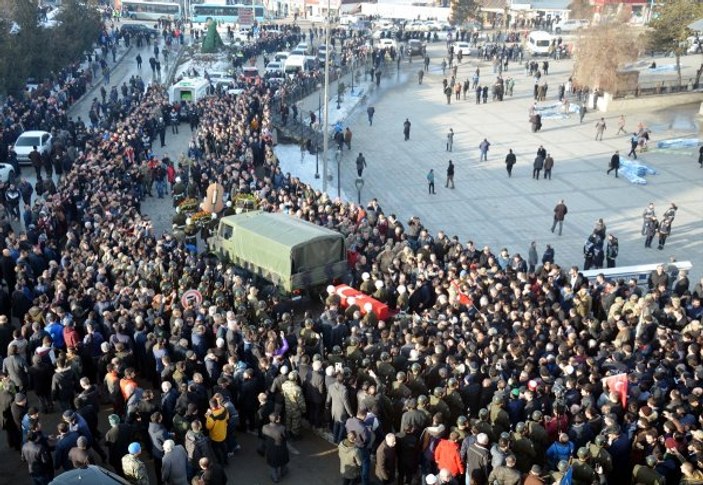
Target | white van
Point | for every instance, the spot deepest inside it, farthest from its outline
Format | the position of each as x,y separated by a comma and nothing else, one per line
387,44
538,43
295,64
189,89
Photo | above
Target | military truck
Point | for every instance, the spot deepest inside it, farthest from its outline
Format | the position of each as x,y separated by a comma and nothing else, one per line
293,254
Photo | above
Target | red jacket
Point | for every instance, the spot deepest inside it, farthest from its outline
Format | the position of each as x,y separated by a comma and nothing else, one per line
447,455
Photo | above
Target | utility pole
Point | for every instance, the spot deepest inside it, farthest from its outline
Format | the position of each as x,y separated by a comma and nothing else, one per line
325,129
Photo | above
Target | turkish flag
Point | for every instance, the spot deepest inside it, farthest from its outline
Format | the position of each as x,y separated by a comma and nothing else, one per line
618,385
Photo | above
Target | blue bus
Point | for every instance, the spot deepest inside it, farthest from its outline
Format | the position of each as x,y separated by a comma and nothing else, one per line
239,13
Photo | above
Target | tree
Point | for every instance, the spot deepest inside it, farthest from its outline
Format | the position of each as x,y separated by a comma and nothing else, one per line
580,9
462,10
669,30
600,53
212,41
35,50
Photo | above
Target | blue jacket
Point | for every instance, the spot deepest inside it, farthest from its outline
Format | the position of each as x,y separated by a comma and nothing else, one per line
63,446
559,451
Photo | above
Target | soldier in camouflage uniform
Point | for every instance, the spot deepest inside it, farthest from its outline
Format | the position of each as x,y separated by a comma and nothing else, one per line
461,428
523,448
600,456
584,474
384,368
499,417
538,435
556,476
454,400
437,404
415,381
294,404
646,474
483,426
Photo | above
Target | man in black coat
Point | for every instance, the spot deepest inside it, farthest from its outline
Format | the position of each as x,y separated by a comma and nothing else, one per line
117,439
614,163
36,454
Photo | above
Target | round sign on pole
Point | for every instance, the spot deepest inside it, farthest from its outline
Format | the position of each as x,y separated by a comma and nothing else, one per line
191,297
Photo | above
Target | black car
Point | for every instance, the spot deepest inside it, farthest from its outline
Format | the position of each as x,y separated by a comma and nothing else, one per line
135,29
416,47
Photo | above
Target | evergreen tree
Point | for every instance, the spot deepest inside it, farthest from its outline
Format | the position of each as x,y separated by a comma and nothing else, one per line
212,42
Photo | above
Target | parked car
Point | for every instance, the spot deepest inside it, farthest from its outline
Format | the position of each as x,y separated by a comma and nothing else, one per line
274,67
463,47
30,139
570,25
7,173
416,47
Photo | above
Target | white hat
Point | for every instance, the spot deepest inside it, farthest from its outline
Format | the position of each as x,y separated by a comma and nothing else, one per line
378,284
401,289
368,307
284,370
330,290
365,276
430,479
178,180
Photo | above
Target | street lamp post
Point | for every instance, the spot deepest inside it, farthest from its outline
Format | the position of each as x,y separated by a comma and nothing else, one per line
325,132
317,145
359,185
338,155
352,71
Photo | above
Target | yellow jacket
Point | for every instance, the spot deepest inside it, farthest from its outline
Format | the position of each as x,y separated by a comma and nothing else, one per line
216,423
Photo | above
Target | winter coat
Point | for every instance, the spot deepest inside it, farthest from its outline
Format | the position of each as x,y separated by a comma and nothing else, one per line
349,460
275,445
446,455
385,461
174,467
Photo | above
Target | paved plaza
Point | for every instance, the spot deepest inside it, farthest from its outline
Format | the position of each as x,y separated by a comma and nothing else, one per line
492,209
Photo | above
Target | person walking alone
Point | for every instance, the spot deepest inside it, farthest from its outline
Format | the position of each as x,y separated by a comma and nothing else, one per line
450,140
614,163
370,112
450,175
621,125
430,181
548,165
560,211
600,128
484,146
406,129
139,62
360,164
510,160
634,142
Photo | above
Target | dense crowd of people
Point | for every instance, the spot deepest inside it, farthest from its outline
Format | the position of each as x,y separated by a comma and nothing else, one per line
487,372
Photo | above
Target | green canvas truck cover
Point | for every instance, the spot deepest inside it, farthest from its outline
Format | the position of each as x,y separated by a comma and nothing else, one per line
277,246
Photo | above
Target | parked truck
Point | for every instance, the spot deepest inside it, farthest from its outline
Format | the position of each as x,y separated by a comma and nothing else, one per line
293,254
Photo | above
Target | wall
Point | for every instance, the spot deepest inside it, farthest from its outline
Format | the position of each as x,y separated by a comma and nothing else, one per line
607,103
